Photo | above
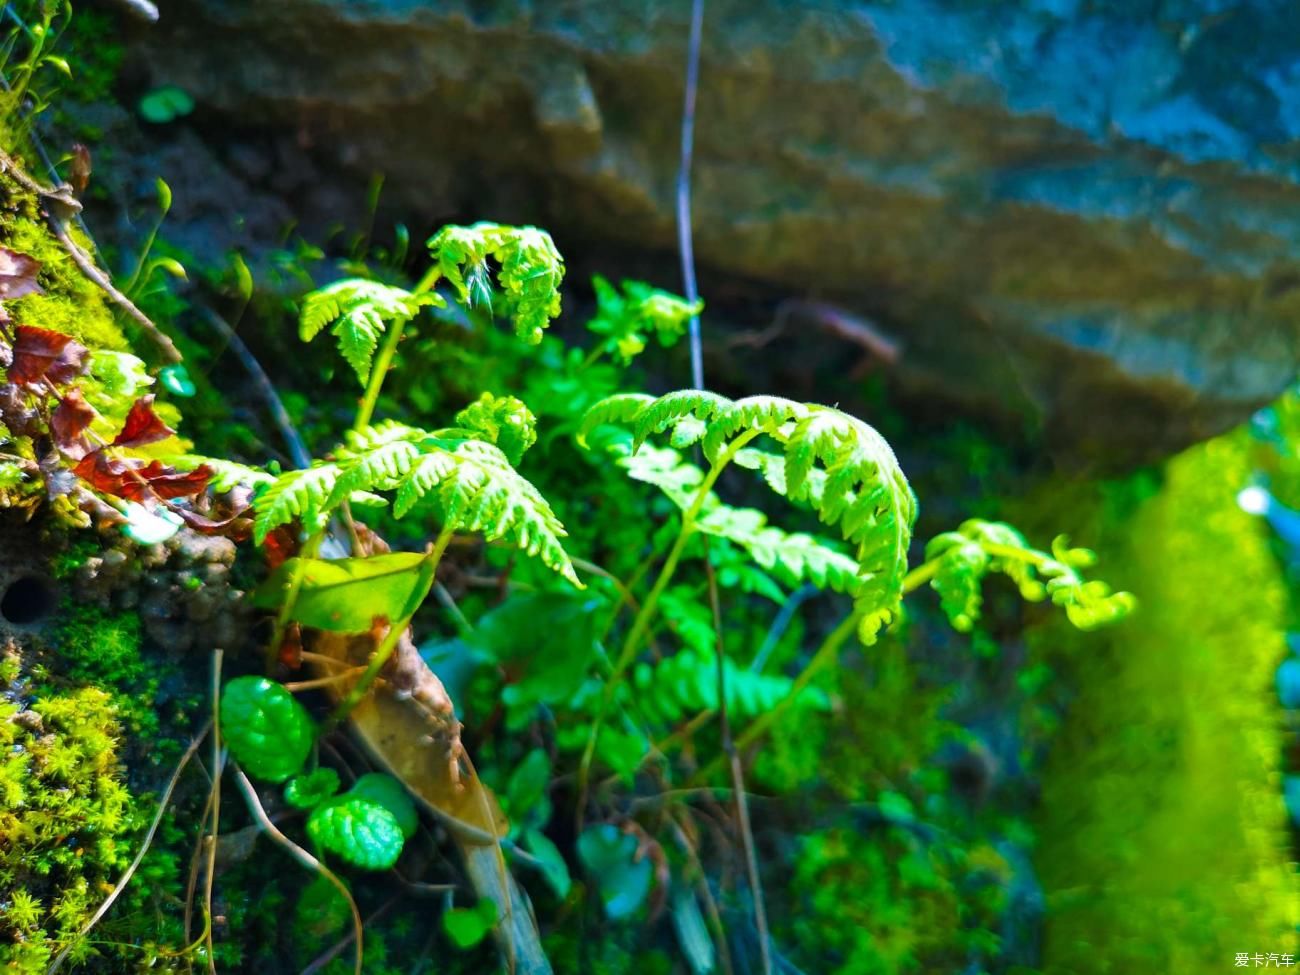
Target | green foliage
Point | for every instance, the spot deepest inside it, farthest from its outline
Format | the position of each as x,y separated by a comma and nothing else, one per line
360,831
267,730
501,420
349,595
625,320
467,926
386,791
358,313
686,683
165,104
311,788
530,270
834,463
964,557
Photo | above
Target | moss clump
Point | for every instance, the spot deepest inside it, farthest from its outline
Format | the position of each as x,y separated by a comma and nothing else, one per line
103,649
65,816
1162,832
71,303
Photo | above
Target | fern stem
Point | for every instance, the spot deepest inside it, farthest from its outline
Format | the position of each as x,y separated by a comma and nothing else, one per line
383,362
426,571
282,619
641,623
826,653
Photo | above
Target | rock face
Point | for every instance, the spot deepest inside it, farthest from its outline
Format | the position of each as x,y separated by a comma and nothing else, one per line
1081,216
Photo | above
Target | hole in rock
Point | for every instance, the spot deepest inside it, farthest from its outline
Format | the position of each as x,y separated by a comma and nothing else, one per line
27,600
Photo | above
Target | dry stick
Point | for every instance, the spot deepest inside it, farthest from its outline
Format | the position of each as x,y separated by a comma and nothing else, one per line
301,855
218,763
60,205
298,452
737,774
686,247
163,801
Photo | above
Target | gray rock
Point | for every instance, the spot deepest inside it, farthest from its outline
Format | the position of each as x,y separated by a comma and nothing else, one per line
1083,218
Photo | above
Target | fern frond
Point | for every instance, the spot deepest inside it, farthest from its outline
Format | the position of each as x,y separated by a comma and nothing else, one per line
686,683
380,468
359,311
501,420
673,408
766,413
226,474
965,556
791,558
301,494
836,464
664,468
625,319
530,269
621,409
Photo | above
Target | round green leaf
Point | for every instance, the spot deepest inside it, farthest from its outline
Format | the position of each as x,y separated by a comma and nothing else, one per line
551,862
266,729
307,790
359,830
392,795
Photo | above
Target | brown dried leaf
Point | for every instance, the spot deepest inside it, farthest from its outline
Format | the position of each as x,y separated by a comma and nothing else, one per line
69,421
18,275
40,355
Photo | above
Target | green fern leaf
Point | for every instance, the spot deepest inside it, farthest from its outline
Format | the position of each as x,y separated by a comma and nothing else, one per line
766,413
359,311
530,270
978,547
624,320
502,420
621,409
673,408
686,683
301,494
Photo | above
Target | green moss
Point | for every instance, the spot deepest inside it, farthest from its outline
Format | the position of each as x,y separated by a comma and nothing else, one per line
1162,826
103,649
71,303
65,818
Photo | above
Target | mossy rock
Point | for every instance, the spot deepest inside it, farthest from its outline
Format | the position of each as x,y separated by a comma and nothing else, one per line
1162,830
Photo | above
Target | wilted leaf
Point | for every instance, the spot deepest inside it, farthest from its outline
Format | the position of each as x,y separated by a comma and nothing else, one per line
130,480
347,595
267,730
41,355
361,831
80,169
69,421
142,426
18,275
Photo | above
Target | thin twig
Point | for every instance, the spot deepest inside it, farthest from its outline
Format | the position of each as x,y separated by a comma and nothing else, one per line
298,452
163,802
301,855
218,763
60,205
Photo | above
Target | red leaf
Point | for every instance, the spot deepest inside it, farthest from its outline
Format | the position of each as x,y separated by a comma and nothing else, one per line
69,420
108,475
236,526
167,482
44,356
18,275
279,545
142,426
127,479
